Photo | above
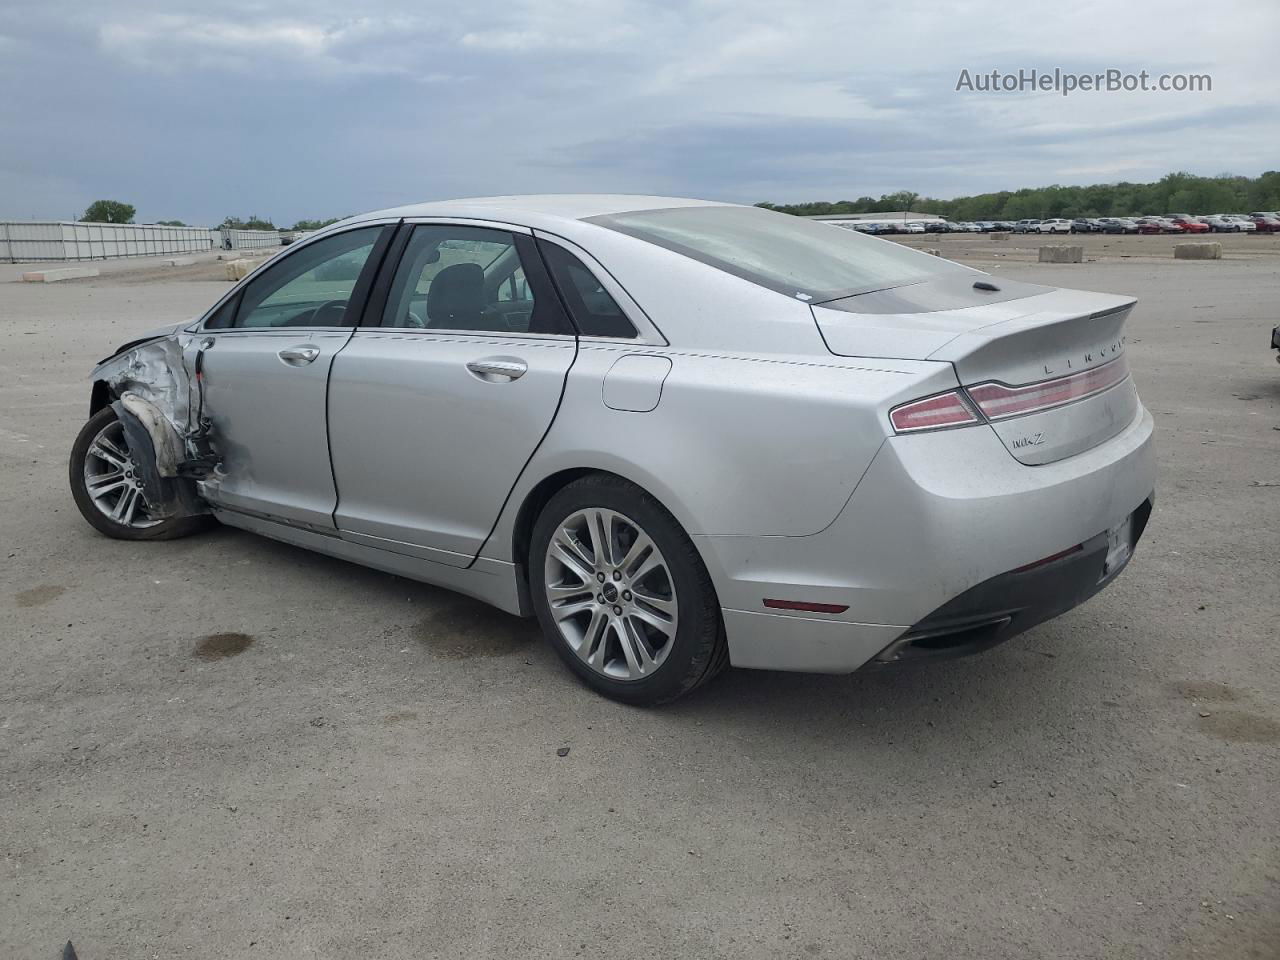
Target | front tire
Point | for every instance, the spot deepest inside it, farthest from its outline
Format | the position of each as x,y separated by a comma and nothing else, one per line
108,491
622,594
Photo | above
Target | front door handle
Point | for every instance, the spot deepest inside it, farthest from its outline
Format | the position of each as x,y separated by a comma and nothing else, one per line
298,356
498,369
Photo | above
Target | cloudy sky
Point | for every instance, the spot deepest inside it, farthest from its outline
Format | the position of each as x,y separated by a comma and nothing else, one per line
316,108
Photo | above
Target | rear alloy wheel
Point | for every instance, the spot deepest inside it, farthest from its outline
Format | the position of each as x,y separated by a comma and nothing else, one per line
622,593
107,486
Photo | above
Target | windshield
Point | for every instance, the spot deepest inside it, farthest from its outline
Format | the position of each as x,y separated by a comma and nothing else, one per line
805,259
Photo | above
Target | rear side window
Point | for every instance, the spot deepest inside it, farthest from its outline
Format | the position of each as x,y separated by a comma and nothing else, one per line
801,258
594,311
477,279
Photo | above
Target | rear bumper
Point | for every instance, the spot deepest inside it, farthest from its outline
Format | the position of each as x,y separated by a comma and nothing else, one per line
930,536
999,609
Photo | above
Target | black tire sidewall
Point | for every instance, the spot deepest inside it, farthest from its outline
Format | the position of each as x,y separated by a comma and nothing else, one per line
693,653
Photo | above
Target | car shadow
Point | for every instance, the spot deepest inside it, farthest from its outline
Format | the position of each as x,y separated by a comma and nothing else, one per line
1032,681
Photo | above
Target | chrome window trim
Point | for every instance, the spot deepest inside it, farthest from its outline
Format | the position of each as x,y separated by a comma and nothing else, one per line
454,334
469,222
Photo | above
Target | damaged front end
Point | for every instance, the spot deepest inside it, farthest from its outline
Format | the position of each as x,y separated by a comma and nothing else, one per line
148,386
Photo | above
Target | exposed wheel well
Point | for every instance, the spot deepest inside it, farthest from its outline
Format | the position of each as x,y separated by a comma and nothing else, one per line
99,397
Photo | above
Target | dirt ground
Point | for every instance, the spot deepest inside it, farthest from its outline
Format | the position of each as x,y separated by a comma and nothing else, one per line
226,747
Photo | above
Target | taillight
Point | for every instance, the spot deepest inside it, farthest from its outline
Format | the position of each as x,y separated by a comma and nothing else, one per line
998,402
933,413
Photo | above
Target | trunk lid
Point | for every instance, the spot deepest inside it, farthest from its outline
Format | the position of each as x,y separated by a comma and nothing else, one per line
1069,342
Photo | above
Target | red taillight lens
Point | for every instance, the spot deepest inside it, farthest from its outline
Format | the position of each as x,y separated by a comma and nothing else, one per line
997,401
933,413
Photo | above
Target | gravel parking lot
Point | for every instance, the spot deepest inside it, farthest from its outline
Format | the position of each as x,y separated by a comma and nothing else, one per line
227,747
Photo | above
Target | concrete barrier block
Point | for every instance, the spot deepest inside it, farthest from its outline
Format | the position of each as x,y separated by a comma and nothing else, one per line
61,273
1062,254
1197,251
179,262
238,269
999,235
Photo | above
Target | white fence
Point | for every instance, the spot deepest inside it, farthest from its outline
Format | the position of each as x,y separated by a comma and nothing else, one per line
67,240
245,239
23,240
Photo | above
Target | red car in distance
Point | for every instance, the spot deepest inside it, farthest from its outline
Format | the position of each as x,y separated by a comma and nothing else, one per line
1190,224
1266,224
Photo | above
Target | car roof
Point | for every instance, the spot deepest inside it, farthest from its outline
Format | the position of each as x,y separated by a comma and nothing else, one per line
538,209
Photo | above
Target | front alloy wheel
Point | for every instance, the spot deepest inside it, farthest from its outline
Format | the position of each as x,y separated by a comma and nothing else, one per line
112,480
108,489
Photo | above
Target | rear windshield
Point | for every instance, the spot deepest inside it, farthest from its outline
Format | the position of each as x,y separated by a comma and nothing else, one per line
806,259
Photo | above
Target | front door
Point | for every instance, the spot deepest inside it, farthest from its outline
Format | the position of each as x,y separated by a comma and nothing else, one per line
436,405
266,360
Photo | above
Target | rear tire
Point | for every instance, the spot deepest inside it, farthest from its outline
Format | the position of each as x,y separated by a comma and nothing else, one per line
106,489
622,594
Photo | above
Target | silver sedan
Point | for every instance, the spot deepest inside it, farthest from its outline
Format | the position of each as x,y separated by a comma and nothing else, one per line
681,434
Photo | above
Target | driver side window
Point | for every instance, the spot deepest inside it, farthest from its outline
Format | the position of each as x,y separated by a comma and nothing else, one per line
310,288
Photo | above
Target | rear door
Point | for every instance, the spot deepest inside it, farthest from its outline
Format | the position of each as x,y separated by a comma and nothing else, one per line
265,358
439,400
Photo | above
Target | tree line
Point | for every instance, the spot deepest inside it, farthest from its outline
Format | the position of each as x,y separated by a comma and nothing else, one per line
114,211
1172,193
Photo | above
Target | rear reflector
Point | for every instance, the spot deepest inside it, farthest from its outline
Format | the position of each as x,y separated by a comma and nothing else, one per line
998,402
807,607
1049,559
933,413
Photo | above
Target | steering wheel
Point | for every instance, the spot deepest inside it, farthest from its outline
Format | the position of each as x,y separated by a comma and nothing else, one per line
315,320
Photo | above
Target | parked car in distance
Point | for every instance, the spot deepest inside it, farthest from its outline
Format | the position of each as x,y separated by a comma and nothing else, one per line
1246,224
1223,224
1085,225
1056,225
1003,225
1150,225
1118,225
914,226
1266,224
536,401
1189,224
1026,226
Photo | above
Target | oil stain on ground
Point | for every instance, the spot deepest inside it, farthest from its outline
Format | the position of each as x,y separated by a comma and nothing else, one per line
1236,726
462,629
219,646
391,719
1209,691
38,596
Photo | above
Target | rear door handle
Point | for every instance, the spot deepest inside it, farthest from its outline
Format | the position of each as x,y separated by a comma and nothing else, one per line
498,369
298,356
